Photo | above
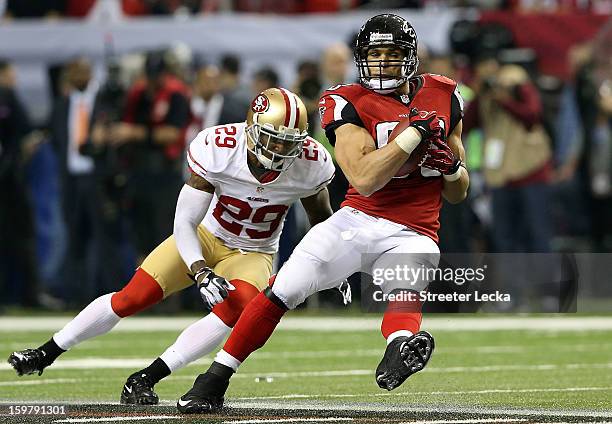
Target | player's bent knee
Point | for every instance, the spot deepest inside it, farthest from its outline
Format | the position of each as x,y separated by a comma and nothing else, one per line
230,309
269,292
140,293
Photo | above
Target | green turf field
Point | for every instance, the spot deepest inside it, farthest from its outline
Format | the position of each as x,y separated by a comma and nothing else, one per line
549,370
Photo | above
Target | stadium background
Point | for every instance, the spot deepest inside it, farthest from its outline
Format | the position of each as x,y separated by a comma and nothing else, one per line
563,45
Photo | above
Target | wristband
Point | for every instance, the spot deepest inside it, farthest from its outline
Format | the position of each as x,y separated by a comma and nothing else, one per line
408,139
203,270
455,175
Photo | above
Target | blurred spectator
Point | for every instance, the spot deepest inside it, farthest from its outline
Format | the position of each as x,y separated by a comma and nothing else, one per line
35,8
335,65
263,79
209,106
517,156
18,266
110,175
594,159
69,128
308,87
154,123
230,84
79,8
230,78
335,68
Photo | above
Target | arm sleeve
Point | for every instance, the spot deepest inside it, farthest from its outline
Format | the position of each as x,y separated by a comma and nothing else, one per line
191,208
335,111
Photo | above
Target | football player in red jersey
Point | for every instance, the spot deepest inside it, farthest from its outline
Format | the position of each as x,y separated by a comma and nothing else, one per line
389,217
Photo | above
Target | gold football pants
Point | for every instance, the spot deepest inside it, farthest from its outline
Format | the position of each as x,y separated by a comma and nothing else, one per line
166,266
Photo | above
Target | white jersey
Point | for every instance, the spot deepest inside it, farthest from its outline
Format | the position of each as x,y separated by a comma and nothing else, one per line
246,213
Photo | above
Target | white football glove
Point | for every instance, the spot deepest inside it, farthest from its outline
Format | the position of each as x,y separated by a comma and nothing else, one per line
345,290
212,287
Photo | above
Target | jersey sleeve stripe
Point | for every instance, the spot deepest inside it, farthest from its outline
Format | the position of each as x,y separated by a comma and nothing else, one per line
191,161
339,104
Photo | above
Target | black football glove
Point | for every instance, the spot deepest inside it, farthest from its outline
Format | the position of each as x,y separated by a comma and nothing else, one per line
426,123
212,287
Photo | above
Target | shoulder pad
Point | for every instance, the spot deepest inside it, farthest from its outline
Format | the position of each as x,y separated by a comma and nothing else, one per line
345,90
439,81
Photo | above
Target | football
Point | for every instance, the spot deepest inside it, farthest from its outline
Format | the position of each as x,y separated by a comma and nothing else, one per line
416,157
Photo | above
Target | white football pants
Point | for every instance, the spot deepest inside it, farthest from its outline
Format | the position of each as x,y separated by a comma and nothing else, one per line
351,241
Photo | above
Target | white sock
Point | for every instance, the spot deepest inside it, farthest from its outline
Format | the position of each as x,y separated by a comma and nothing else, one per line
399,333
97,318
228,360
195,341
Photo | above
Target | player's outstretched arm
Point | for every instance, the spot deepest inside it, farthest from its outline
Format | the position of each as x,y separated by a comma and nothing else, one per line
368,169
191,207
317,207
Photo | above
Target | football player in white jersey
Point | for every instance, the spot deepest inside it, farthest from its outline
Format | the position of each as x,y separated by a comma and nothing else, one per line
229,216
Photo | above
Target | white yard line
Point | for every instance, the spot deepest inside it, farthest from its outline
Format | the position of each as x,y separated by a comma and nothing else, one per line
116,419
560,323
473,421
40,381
340,353
434,393
289,420
132,363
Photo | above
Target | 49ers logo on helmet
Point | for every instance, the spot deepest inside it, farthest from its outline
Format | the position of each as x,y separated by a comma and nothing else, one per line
260,104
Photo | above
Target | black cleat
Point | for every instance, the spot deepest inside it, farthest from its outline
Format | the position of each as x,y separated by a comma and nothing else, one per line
404,356
29,361
206,395
138,390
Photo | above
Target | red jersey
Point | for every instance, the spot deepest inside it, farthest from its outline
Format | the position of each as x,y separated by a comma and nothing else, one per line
169,106
415,199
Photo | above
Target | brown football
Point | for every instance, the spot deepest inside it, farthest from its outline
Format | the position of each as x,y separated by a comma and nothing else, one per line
417,155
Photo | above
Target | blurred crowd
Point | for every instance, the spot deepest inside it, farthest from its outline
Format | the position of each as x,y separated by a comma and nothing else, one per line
55,9
87,196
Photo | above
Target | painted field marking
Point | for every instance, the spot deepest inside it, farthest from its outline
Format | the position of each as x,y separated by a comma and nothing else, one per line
441,393
129,363
340,324
472,421
289,420
39,382
116,419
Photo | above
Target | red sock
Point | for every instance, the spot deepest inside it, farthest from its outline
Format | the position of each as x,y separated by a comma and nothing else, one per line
402,315
254,328
141,292
230,309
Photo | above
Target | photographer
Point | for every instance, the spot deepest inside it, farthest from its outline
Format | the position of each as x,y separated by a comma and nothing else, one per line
517,156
